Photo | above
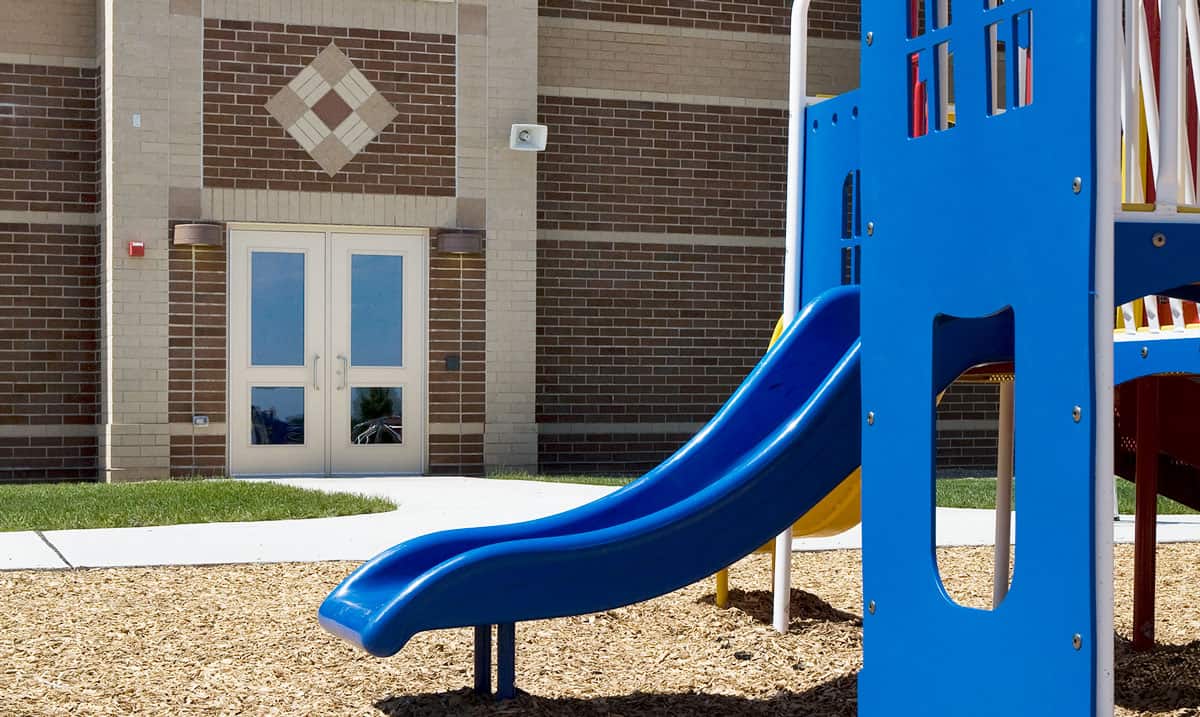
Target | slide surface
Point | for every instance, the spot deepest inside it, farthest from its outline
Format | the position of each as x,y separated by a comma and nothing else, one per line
788,436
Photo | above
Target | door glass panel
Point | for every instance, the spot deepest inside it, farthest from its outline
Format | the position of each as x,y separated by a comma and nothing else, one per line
276,308
375,416
376,310
277,415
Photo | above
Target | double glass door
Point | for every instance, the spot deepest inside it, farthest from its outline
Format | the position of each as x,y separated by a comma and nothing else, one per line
326,352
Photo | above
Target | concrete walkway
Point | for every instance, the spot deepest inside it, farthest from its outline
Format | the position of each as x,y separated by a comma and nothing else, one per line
425,505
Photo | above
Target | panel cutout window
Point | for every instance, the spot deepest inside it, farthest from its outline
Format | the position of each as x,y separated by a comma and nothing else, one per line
277,415
979,396
851,206
377,310
945,86
918,94
916,18
276,308
376,416
1010,54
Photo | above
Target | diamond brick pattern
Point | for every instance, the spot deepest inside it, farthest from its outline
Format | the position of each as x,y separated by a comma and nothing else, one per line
320,110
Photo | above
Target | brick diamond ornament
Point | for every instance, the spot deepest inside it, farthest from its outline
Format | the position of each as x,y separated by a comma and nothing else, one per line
331,110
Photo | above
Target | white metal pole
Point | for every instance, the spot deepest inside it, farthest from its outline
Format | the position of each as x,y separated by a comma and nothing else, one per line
1004,483
1169,106
797,100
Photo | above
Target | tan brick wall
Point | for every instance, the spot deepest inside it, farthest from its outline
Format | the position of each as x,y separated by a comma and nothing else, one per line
48,28
764,16
637,58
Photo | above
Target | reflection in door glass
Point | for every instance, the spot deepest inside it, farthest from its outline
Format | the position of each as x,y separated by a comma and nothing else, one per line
277,416
376,310
375,416
276,309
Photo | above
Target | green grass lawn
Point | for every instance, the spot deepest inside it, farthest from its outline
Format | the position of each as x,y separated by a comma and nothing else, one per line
951,492
67,506
575,479
981,493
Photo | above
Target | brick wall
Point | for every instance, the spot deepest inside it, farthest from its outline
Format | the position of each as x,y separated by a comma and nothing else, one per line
968,448
197,350
49,138
625,166
456,327
835,19
49,350
63,28
769,16
247,63
649,332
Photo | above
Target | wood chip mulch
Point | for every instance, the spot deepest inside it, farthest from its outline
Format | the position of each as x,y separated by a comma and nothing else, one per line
244,640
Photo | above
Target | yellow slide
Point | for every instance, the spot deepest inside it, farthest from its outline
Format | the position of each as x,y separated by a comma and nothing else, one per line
837,512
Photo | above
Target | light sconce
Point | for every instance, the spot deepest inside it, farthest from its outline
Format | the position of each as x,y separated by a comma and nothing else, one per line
460,241
198,235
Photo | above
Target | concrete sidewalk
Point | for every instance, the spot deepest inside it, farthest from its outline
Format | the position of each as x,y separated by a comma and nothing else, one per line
425,505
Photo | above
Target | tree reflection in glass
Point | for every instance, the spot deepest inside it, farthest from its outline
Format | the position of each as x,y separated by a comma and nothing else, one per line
376,416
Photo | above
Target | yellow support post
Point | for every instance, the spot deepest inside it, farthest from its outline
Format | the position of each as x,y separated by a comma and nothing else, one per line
723,589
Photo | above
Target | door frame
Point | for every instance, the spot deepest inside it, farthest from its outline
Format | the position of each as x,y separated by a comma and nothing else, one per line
329,229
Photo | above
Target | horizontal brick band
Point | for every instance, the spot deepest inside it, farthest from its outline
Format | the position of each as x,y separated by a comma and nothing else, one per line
668,97
265,205
661,238
571,429
742,16
410,15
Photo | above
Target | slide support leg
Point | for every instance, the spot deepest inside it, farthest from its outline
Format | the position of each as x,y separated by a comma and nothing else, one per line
782,568
506,661
723,589
1145,526
483,660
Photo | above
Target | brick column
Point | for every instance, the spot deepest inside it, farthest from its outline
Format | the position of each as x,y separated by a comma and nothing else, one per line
512,46
147,50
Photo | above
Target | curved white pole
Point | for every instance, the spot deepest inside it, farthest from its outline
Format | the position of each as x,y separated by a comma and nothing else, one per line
798,82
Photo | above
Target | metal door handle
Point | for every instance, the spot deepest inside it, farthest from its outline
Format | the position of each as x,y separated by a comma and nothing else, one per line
316,372
345,369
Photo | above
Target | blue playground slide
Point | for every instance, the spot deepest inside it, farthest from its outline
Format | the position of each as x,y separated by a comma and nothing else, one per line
789,435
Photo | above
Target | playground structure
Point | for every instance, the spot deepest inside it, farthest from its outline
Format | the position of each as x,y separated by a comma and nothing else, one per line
982,191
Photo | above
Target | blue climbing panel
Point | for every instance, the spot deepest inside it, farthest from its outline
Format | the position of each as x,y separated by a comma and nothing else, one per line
977,213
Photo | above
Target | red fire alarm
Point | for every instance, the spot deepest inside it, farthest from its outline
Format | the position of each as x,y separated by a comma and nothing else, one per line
137,248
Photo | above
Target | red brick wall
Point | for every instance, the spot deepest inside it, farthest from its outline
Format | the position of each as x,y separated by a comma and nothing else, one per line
835,19
197,356
246,63
49,348
456,327
623,166
606,453
769,16
49,138
649,332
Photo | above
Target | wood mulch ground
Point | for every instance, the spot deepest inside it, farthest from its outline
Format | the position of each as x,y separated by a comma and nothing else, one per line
244,640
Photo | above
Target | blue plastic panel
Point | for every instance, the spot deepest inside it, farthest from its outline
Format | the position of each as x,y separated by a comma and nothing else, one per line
832,215
970,221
